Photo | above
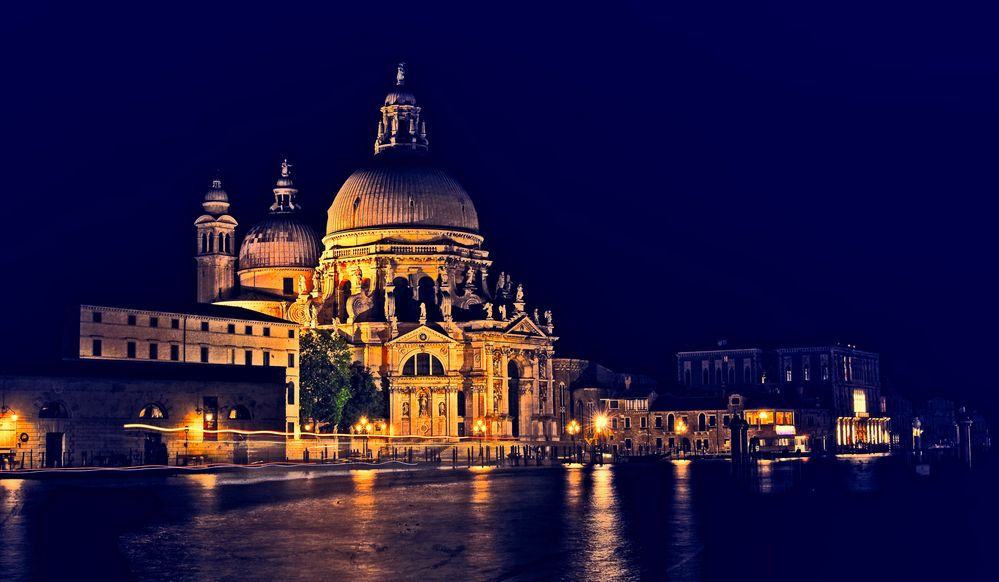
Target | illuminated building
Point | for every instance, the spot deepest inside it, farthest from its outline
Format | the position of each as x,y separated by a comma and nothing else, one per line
194,334
404,277
73,413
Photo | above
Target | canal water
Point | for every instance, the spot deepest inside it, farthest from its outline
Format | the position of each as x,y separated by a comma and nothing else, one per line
821,519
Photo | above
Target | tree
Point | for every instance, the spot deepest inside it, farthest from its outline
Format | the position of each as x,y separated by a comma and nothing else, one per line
365,398
334,391
325,376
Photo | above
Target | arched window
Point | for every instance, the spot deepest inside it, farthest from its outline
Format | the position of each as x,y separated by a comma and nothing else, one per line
670,423
731,375
204,243
291,392
701,424
221,243
746,376
239,412
423,364
152,410
686,377
718,375
53,410
211,244
705,377
228,243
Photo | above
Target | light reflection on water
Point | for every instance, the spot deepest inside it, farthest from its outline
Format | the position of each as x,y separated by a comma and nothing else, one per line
665,520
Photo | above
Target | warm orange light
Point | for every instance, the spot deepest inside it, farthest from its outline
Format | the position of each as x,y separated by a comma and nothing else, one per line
13,417
600,422
307,427
209,416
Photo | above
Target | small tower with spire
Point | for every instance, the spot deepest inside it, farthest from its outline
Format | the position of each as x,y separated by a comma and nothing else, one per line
215,246
401,127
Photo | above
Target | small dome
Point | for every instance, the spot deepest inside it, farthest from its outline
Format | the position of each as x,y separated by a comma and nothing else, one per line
280,240
400,96
216,200
399,191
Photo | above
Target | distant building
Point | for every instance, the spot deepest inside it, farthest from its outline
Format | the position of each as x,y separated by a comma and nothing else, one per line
723,370
583,384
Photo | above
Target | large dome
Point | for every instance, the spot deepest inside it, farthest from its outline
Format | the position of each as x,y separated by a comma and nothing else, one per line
400,191
280,240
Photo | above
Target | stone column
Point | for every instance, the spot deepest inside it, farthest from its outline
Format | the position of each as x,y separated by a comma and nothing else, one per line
505,392
452,410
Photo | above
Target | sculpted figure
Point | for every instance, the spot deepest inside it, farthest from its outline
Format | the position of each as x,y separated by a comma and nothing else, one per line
446,305
470,278
536,320
423,312
301,285
423,404
548,317
520,292
502,310
405,410
489,310
317,283
441,409
496,401
313,315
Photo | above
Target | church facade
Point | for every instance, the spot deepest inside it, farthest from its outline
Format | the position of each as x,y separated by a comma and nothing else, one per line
403,275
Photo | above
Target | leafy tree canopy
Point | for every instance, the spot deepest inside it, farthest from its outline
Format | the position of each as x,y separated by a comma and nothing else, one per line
335,392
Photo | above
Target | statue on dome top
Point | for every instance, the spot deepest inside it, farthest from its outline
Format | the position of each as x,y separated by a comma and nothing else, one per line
400,74
285,169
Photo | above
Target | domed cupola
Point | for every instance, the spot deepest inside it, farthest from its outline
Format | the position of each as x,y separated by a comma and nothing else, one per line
281,239
400,189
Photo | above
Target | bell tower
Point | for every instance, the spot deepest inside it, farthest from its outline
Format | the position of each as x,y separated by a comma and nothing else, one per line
214,250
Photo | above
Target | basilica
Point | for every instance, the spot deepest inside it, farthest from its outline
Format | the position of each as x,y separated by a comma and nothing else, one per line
403,275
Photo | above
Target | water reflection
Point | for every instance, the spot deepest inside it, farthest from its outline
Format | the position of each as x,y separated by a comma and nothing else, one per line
602,528
685,545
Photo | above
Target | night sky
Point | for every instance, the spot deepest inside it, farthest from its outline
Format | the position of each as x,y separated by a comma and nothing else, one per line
661,177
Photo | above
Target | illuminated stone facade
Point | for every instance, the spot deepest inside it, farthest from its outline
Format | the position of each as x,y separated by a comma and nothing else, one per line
405,278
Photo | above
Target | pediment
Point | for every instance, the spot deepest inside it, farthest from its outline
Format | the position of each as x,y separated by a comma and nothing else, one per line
422,335
524,326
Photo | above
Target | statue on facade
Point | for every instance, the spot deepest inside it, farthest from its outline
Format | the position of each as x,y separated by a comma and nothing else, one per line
302,289
496,402
548,318
470,278
536,319
423,313
317,283
520,292
285,169
488,307
441,409
446,305
501,283
502,310
423,404
405,410
400,74
313,315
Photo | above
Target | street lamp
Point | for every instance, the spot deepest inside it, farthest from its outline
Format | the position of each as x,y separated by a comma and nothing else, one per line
573,429
363,428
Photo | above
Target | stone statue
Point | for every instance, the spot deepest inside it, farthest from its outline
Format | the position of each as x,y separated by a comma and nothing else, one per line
502,310
548,317
489,310
317,283
470,278
423,313
446,305
536,320
313,315
441,409
444,277
501,283
285,169
389,304
405,410
520,292
423,404
400,74
496,401
302,289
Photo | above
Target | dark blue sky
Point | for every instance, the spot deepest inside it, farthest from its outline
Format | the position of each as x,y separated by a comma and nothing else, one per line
659,176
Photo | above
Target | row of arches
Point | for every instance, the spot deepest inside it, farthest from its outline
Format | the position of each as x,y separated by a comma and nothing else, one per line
151,411
208,242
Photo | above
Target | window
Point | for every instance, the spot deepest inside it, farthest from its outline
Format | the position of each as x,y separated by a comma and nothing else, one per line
267,358
725,420
231,328
659,422
291,427
267,332
291,360
154,352
210,418
643,422
423,364
239,412
154,322
204,326
291,333
627,422
248,330
806,373
97,316
627,444
289,286
859,403
787,373
152,411
130,349
174,323
131,320
713,420
97,348
746,375
53,410
686,376
614,423
614,404
291,393
672,442
175,352
461,403
248,357
701,422
659,443
670,425
204,354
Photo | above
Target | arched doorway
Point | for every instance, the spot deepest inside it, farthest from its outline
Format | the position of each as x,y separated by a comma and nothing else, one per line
513,397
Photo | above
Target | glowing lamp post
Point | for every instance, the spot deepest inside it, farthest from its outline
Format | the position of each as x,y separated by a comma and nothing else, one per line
573,429
363,428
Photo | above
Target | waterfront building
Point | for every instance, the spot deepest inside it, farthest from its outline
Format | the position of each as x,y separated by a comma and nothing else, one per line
723,370
194,334
583,385
75,412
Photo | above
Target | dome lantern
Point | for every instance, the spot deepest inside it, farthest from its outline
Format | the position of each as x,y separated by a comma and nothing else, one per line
401,127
